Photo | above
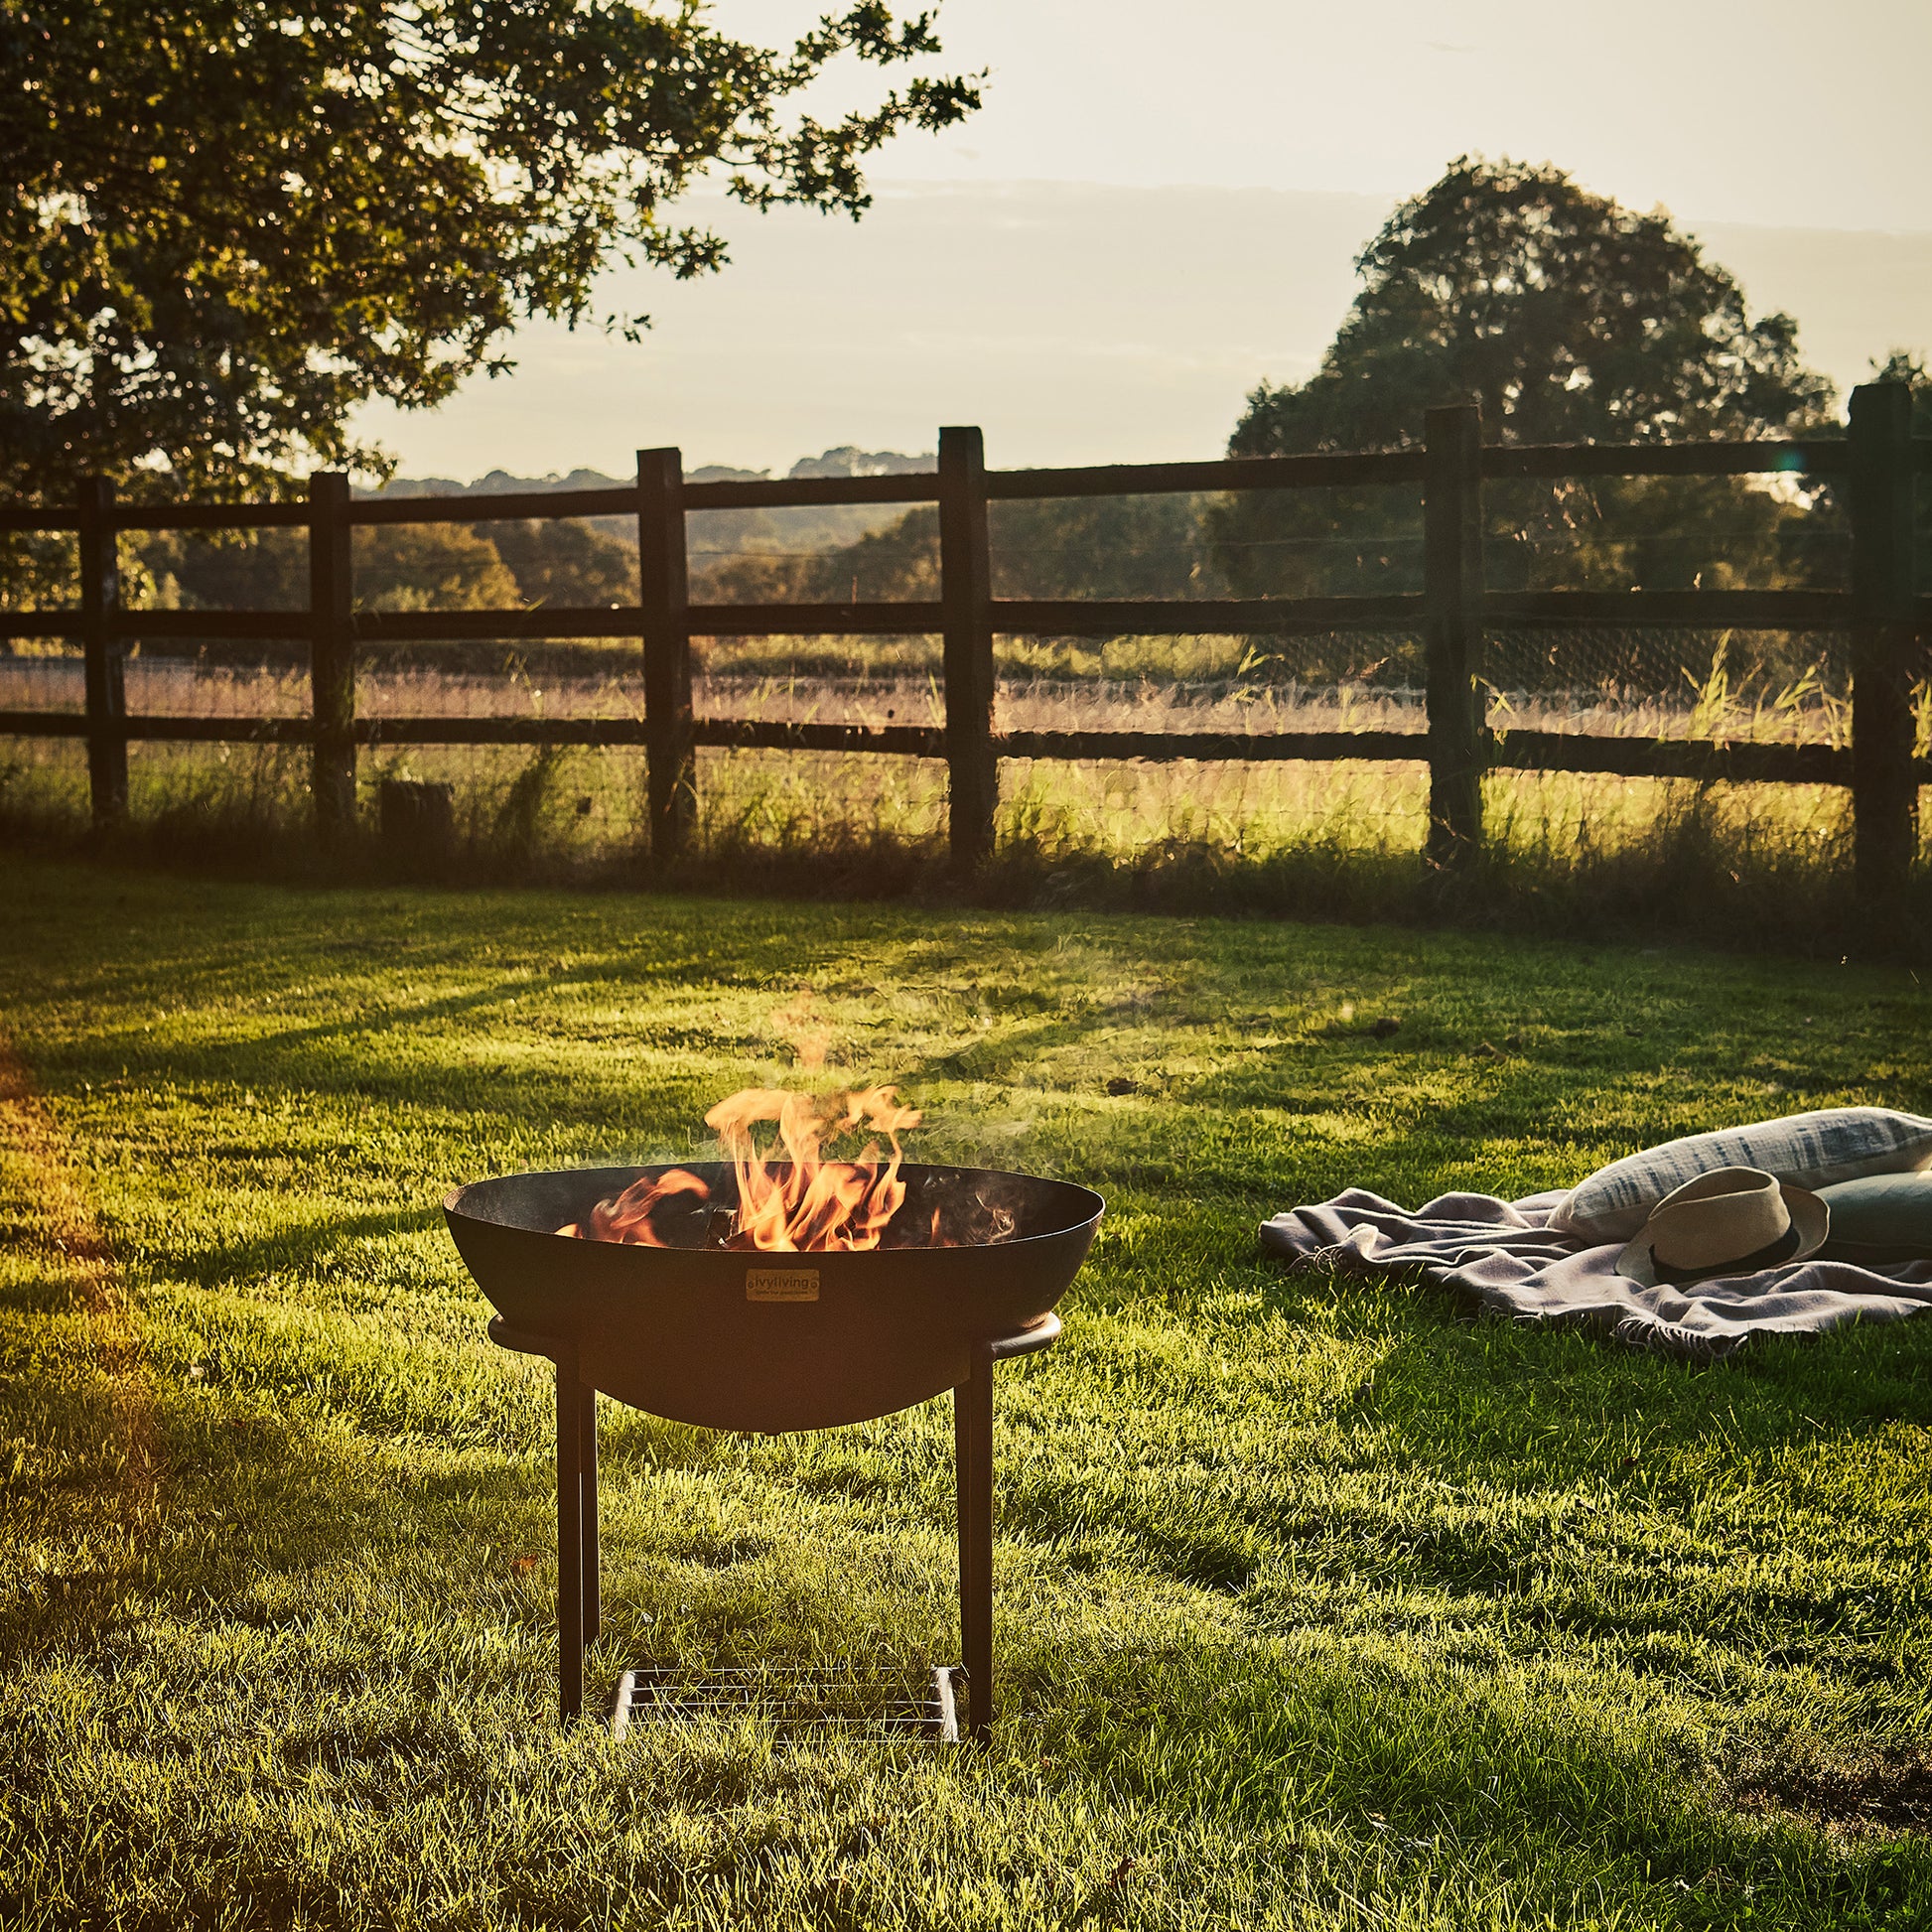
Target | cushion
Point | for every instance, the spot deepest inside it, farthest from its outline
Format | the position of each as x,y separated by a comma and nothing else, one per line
1883,1217
1815,1150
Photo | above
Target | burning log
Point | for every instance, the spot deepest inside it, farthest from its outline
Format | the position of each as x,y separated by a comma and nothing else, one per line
803,1203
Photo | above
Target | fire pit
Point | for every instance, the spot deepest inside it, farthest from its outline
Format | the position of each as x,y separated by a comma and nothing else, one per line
677,1313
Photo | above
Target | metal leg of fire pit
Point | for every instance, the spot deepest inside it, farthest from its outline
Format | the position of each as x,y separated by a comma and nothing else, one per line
579,1603
972,1423
587,1492
579,1609
570,1543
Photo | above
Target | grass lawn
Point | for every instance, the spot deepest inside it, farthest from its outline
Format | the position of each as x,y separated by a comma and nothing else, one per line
1321,1604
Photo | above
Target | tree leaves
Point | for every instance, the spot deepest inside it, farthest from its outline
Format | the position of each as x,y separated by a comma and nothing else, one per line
228,225
1570,320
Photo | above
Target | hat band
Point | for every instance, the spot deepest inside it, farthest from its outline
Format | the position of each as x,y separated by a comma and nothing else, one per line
1781,1249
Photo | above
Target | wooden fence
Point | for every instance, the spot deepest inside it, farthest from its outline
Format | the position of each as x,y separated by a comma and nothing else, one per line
1879,461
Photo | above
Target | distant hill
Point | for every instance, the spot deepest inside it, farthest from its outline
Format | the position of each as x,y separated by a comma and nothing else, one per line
717,534
497,483
845,461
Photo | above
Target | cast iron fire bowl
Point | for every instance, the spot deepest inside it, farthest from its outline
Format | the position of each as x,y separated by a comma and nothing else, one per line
730,1340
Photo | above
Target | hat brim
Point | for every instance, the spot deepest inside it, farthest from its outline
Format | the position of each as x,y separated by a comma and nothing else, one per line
1811,1220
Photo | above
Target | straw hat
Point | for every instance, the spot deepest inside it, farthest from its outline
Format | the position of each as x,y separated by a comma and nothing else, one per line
1734,1221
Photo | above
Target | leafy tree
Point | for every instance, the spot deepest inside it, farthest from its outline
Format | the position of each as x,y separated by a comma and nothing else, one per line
1096,546
398,567
227,223
1050,547
899,562
564,561
1569,319
255,569
431,567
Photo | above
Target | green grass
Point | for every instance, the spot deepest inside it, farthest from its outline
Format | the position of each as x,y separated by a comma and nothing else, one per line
1321,1604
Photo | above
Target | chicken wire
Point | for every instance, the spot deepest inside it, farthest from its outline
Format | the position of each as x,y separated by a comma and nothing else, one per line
158,687
36,676
1599,682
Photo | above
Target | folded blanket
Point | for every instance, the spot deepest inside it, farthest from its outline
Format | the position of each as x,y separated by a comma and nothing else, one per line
1510,1259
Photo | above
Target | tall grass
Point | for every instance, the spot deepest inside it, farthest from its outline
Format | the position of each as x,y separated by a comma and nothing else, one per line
1739,864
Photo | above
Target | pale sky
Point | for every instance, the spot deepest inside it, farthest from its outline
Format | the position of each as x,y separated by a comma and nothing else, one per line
1786,112
1157,206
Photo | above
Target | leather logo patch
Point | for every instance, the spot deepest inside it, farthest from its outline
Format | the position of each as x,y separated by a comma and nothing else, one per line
781,1285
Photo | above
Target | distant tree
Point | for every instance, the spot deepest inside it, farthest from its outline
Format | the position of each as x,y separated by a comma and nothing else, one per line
899,562
849,460
431,567
398,567
1096,546
1053,547
563,561
226,224
1569,319
259,570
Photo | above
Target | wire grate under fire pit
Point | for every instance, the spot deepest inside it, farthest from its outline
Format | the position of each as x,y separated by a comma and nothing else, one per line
851,1701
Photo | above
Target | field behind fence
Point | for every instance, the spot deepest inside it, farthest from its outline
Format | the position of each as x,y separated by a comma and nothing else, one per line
1429,712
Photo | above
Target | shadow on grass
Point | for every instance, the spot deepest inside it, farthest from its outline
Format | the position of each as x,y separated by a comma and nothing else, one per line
1429,1759
1475,1391
231,1264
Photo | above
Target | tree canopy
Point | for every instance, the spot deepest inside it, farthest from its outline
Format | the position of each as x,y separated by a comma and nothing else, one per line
1079,546
1569,319
227,223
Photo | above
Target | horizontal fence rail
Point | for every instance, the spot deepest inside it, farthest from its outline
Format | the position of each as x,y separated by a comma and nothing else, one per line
1886,613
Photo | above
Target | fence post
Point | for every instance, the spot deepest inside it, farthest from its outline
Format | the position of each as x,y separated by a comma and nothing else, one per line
101,603
331,658
664,589
1452,588
1884,784
966,594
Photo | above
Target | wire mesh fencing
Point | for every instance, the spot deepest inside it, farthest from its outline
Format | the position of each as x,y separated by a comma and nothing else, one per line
1723,686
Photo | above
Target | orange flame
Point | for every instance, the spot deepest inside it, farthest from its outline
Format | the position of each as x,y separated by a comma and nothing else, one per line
626,1216
811,1203
802,1204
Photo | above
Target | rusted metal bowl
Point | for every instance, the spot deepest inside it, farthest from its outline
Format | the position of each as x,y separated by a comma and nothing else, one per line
731,1339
